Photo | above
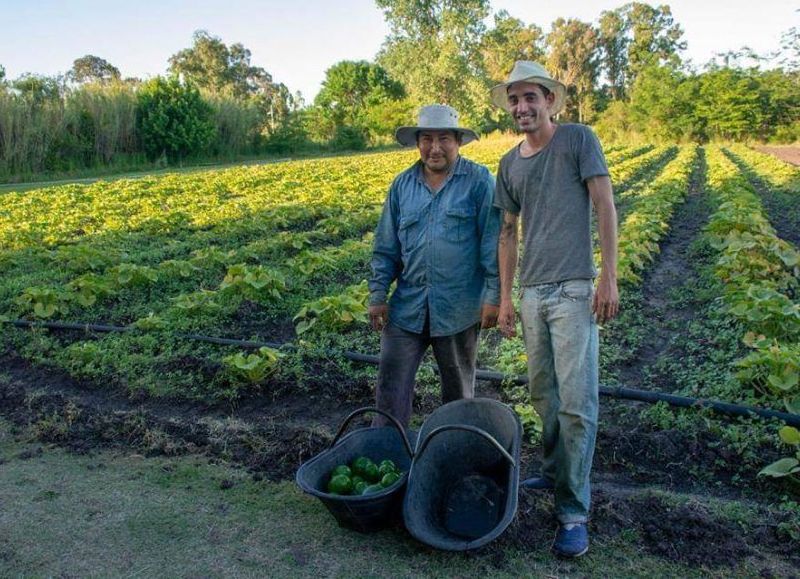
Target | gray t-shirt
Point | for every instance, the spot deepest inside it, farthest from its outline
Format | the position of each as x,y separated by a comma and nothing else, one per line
549,191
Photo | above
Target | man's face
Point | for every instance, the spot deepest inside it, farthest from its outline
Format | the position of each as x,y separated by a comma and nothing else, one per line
528,105
438,150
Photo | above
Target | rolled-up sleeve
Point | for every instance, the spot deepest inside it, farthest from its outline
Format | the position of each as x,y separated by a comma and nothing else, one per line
489,230
386,253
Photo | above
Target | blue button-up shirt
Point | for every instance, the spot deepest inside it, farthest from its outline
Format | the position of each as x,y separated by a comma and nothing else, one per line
440,247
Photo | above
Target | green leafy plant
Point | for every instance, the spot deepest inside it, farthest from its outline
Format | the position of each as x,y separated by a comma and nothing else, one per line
333,313
257,283
773,366
197,302
83,257
44,302
131,275
150,322
309,262
530,419
87,289
789,466
179,267
253,368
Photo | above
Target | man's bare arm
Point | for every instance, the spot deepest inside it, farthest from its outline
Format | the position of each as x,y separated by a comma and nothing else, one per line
606,299
507,262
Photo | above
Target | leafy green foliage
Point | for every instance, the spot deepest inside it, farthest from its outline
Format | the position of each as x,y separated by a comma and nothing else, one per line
789,466
334,313
253,368
257,283
197,302
44,302
173,119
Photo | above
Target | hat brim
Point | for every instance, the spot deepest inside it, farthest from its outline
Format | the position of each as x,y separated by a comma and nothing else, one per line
499,93
407,136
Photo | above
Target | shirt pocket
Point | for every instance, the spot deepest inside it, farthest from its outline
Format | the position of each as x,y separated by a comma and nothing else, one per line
460,224
410,230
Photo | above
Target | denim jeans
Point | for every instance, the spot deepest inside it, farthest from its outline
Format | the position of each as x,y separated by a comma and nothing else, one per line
401,354
561,340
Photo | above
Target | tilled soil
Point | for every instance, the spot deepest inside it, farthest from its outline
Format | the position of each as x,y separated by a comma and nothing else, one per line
788,154
272,437
671,270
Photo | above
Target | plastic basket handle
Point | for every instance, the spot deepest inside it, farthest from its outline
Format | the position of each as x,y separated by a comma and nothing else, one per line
467,428
367,410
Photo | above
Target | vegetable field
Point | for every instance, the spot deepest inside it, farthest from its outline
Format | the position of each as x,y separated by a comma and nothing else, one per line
277,256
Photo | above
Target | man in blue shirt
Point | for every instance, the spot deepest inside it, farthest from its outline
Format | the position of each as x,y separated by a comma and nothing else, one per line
437,238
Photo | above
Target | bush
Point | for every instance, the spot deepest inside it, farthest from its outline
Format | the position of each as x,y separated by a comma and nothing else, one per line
290,137
349,139
173,119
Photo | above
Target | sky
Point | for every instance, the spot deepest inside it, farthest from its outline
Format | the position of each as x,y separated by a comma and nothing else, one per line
296,41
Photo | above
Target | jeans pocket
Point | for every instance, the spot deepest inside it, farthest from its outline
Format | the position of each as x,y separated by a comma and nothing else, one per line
577,289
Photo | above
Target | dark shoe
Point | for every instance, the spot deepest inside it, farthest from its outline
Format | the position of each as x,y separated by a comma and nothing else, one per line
537,483
573,542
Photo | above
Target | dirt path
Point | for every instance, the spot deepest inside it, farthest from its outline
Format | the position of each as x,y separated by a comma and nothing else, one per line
790,154
671,271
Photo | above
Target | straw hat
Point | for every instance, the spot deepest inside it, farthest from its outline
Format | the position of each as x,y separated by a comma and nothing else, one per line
529,71
434,118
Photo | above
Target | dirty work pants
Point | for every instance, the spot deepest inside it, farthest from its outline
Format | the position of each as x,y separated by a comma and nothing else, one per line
561,340
401,354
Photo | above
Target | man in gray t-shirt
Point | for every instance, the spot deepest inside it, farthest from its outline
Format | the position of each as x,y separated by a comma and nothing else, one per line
552,179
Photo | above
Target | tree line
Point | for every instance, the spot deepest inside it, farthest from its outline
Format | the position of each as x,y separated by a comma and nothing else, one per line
625,75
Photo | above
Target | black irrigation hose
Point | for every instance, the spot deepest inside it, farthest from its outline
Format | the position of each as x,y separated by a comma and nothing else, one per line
613,392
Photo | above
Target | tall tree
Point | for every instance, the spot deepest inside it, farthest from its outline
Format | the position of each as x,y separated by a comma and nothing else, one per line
210,64
508,41
613,43
573,59
433,50
655,37
350,90
636,36
92,68
790,46
729,103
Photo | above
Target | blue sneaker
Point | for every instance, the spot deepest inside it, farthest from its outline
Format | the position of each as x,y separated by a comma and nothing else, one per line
537,483
572,542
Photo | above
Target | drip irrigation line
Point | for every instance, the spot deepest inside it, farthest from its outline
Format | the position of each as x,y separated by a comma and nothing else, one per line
620,392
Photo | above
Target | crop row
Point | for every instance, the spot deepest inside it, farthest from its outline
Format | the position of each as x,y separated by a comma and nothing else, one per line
777,174
623,173
761,273
648,222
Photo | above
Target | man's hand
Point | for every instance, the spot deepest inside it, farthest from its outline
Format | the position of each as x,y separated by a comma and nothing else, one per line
489,314
507,319
379,316
605,304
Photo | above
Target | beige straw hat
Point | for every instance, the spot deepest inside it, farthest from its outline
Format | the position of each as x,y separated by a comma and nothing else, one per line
529,71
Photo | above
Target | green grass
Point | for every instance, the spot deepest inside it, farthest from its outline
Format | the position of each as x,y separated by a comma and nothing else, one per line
120,514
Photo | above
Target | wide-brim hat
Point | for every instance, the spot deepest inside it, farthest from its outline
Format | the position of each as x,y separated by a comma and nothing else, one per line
434,118
529,71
